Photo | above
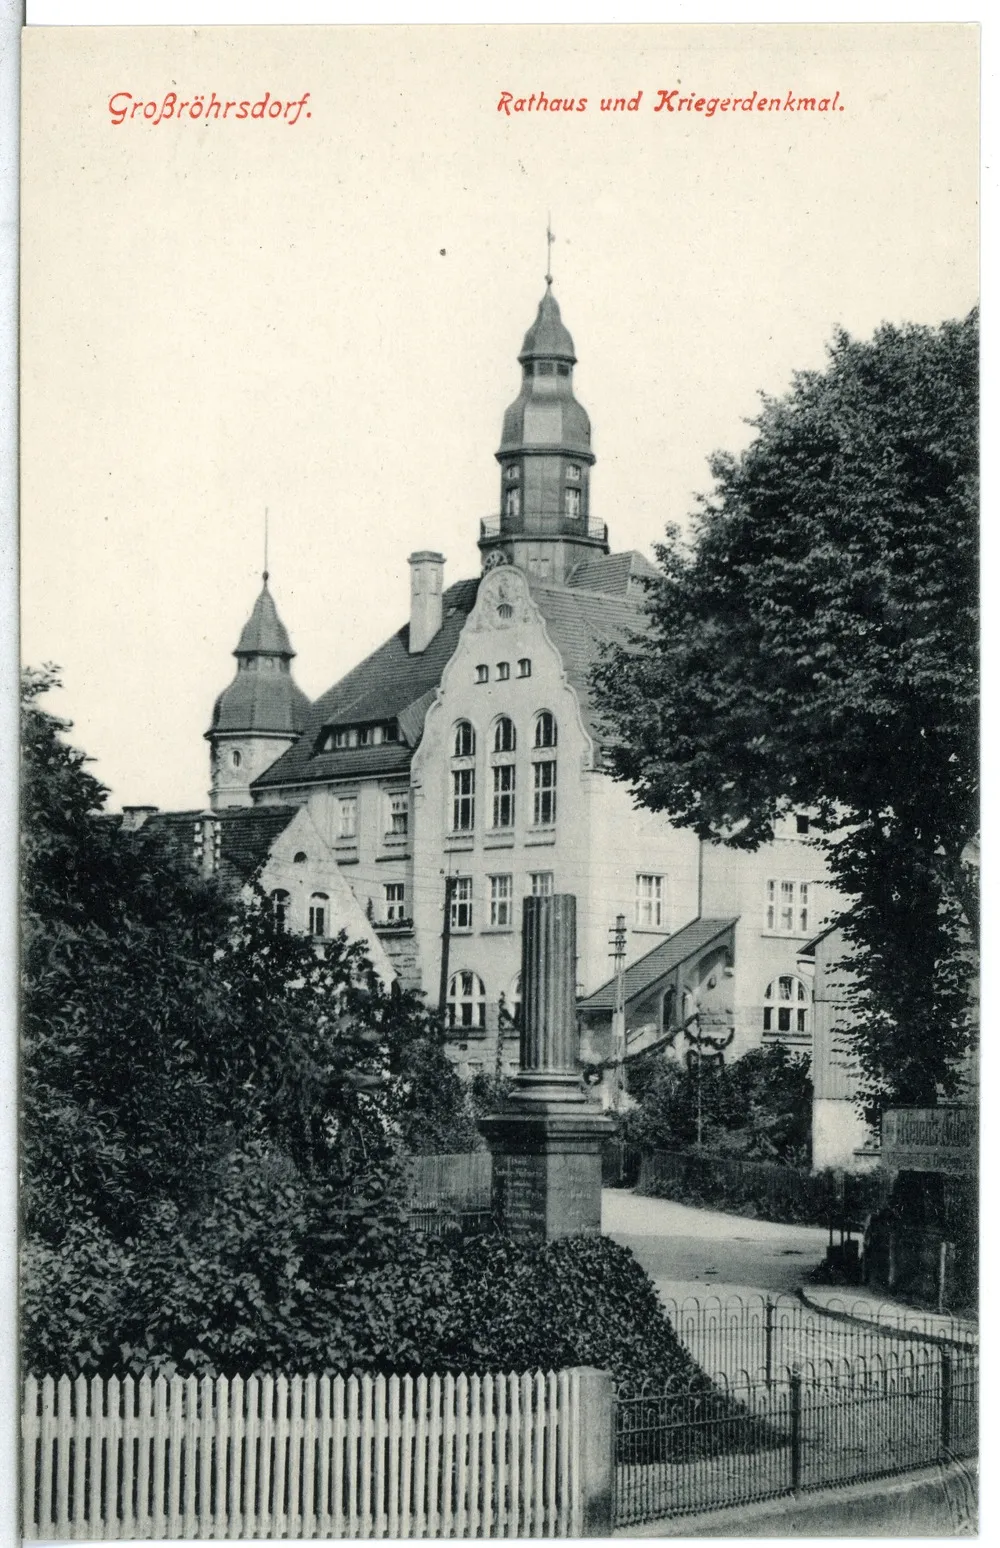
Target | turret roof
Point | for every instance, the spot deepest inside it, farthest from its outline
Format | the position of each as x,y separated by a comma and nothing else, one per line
548,337
262,697
264,634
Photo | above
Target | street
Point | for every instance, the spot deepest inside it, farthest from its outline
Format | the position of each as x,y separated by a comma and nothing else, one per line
690,1251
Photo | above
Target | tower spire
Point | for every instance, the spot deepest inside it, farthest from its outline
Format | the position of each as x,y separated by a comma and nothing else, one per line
545,458
549,239
265,546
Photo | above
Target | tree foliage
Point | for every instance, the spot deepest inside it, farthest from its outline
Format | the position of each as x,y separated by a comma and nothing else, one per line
815,648
759,1107
214,1113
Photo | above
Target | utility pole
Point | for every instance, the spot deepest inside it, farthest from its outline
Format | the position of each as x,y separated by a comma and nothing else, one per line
449,888
617,938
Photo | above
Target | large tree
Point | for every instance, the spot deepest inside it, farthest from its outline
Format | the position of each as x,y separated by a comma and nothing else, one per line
215,1114
815,648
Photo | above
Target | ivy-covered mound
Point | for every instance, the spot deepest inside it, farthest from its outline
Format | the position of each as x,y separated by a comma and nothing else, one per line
586,1301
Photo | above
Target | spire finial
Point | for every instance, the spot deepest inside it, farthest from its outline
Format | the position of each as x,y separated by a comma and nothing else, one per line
265,546
549,239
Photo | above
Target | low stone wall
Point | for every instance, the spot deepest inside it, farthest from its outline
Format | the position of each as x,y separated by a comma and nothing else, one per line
936,1502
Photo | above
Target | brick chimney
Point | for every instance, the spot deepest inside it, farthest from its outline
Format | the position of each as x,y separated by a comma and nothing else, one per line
426,584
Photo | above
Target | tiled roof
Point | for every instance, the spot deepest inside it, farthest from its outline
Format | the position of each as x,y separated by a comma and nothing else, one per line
389,684
264,633
658,963
392,684
247,834
260,701
580,625
618,575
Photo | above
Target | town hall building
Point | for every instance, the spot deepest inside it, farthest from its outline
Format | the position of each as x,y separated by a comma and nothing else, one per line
461,767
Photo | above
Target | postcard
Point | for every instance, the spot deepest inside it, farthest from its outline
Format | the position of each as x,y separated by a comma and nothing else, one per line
498,543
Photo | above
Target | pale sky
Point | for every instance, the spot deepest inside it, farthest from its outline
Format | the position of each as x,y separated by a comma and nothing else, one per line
323,317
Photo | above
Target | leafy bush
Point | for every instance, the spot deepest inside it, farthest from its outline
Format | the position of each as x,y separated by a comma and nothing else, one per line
762,1192
436,1112
758,1107
213,1111
489,1093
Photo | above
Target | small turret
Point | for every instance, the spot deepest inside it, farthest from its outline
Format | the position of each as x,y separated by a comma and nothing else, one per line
261,713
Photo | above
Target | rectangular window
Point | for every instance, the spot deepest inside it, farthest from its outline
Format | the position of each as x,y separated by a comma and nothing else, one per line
503,796
395,902
541,884
317,918
461,903
545,794
503,671
347,817
649,902
501,901
463,805
788,907
399,814
524,666
572,502
482,674
573,472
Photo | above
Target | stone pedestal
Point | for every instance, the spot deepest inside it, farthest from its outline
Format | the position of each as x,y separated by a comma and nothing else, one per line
547,1144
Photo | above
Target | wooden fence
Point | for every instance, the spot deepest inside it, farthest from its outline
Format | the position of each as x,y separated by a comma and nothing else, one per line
425,1456
451,1192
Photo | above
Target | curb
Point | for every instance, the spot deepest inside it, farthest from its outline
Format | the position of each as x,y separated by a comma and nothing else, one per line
913,1335
933,1502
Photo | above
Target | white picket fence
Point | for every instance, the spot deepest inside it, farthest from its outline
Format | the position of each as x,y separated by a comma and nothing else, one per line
431,1456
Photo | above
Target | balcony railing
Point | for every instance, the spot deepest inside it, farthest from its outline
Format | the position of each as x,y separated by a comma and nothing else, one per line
493,527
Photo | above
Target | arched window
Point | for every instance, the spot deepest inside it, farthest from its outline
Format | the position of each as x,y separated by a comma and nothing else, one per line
319,905
464,744
280,901
466,1000
786,1009
504,735
545,729
236,757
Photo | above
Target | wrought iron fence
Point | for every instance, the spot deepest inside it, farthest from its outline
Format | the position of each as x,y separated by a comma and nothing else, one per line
750,1336
702,1446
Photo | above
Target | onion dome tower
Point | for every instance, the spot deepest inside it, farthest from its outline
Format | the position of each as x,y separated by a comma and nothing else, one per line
261,713
545,460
